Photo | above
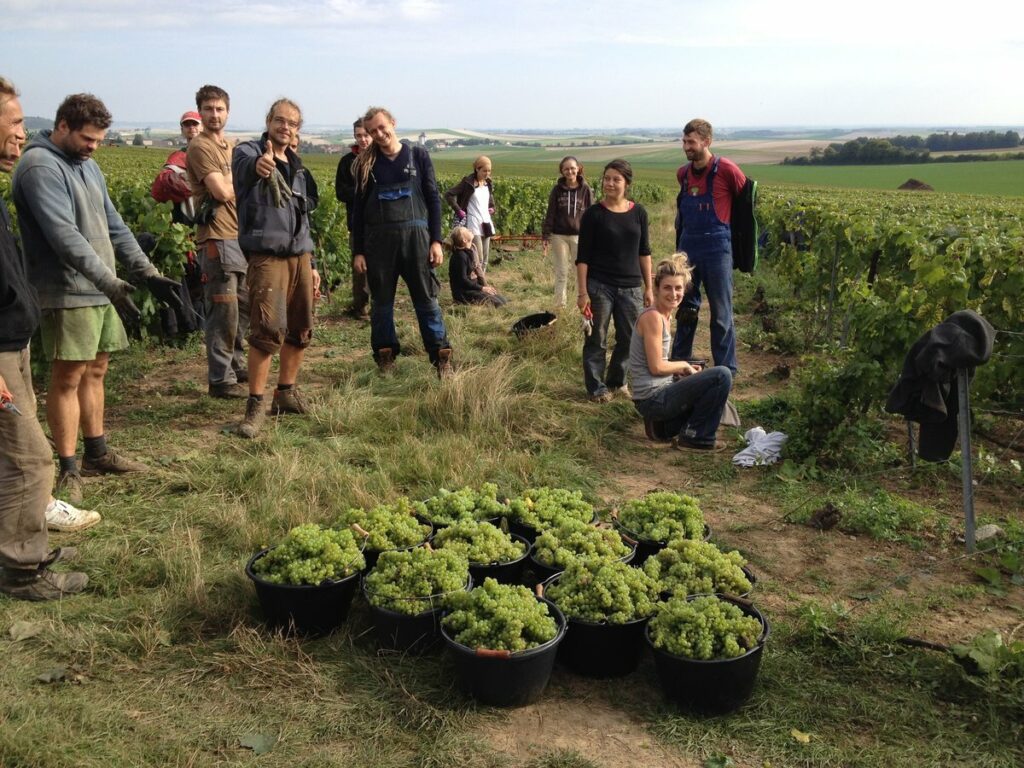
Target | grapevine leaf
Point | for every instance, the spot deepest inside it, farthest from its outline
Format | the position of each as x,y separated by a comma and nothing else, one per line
259,743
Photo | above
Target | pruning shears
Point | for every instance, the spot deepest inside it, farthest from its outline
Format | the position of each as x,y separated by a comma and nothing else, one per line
7,403
588,320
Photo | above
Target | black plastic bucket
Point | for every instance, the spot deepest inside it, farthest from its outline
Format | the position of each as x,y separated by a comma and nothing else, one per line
303,609
372,555
531,323
409,633
646,548
504,573
504,679
716,686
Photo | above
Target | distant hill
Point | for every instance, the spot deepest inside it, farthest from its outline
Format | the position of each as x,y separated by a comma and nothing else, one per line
38,123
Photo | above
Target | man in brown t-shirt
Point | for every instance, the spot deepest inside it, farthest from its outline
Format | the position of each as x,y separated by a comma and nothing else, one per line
224,266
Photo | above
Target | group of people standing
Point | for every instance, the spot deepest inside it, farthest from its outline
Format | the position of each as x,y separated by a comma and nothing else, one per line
250,204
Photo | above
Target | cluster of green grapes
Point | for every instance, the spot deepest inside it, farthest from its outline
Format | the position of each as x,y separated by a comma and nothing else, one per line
499,617
416,580
604,591
311,554
663,515
570,539
541,508
686,567
448,507
480,543
391,526
703,628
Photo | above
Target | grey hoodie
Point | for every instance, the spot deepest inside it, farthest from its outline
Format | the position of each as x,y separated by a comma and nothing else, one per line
70,229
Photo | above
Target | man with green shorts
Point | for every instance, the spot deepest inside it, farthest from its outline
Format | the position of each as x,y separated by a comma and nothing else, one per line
71,234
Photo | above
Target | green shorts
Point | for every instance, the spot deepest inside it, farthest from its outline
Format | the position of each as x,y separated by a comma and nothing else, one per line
81,333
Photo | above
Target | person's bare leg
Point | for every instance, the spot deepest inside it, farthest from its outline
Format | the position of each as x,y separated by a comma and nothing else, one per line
62,404
259,370
291,359
91,397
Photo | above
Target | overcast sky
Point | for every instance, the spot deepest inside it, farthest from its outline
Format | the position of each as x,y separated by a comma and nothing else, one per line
530,63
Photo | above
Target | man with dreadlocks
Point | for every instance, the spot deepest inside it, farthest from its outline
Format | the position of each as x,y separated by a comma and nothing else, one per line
396,232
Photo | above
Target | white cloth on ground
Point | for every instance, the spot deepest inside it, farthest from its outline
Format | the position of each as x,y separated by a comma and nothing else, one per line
762,448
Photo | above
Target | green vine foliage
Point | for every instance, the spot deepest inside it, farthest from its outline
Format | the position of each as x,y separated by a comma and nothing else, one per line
888,266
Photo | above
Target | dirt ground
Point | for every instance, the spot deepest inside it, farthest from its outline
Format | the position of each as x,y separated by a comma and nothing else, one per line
790,561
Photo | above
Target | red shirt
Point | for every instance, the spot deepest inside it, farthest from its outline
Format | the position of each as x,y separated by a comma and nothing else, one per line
728,183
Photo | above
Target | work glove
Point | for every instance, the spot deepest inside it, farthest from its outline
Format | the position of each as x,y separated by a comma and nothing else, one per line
166,291
120,296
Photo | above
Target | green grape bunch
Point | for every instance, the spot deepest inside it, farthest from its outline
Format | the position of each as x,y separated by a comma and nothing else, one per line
571,539
704,628
604,591
541,508
480,543
390,526
686,567
502,617
662,515
311,555
412,581
449,507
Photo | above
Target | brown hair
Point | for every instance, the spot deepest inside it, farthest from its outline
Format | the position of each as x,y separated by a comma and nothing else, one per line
366,159
80,109
623,167
676,265
284,103
211,93
358,123
701,127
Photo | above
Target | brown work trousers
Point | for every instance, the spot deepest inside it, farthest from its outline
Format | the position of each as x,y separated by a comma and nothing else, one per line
26,470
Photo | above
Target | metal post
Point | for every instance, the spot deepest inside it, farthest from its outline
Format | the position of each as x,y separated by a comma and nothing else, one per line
962,385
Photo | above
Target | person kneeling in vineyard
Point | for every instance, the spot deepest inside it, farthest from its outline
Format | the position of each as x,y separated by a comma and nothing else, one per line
274,198
466,273
674,396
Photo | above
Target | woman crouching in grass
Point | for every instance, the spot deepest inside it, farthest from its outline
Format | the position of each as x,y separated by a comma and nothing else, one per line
466,272
674,397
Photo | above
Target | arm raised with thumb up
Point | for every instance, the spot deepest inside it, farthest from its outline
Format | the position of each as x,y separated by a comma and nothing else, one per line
265,163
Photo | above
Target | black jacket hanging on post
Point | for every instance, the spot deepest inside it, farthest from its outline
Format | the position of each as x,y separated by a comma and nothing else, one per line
926,391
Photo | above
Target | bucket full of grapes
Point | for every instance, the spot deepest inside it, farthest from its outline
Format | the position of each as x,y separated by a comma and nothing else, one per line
497,662
708,649
607,605
491,551
407,592
652,520
305,585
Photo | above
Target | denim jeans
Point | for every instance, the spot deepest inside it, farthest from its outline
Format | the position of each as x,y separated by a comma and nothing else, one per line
712,269
621,306
403,252
696,401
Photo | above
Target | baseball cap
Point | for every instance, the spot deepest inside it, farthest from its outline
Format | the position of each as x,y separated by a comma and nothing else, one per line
190,117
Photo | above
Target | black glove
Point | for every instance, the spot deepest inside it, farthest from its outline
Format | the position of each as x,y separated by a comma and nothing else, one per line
121,297
166,291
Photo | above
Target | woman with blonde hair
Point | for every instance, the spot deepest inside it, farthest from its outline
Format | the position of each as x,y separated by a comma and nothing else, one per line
678,400
472,199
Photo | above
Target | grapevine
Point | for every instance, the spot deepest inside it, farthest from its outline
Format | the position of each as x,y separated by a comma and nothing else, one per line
416,580
686,567
311,555
480,543
448,507
604,591
703,628
541,508
499,617
570,539
663,515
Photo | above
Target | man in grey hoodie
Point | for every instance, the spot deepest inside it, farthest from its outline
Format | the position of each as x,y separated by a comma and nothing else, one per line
71,234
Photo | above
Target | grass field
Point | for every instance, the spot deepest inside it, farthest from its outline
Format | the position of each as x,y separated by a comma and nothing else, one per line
164,661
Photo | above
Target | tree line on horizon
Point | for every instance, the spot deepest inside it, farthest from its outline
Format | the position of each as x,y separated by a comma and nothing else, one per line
911,149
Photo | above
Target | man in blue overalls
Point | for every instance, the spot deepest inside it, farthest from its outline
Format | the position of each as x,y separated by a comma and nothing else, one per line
707,187
396,232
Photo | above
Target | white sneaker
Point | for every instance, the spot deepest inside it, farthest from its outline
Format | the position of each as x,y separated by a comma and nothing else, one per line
61,516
